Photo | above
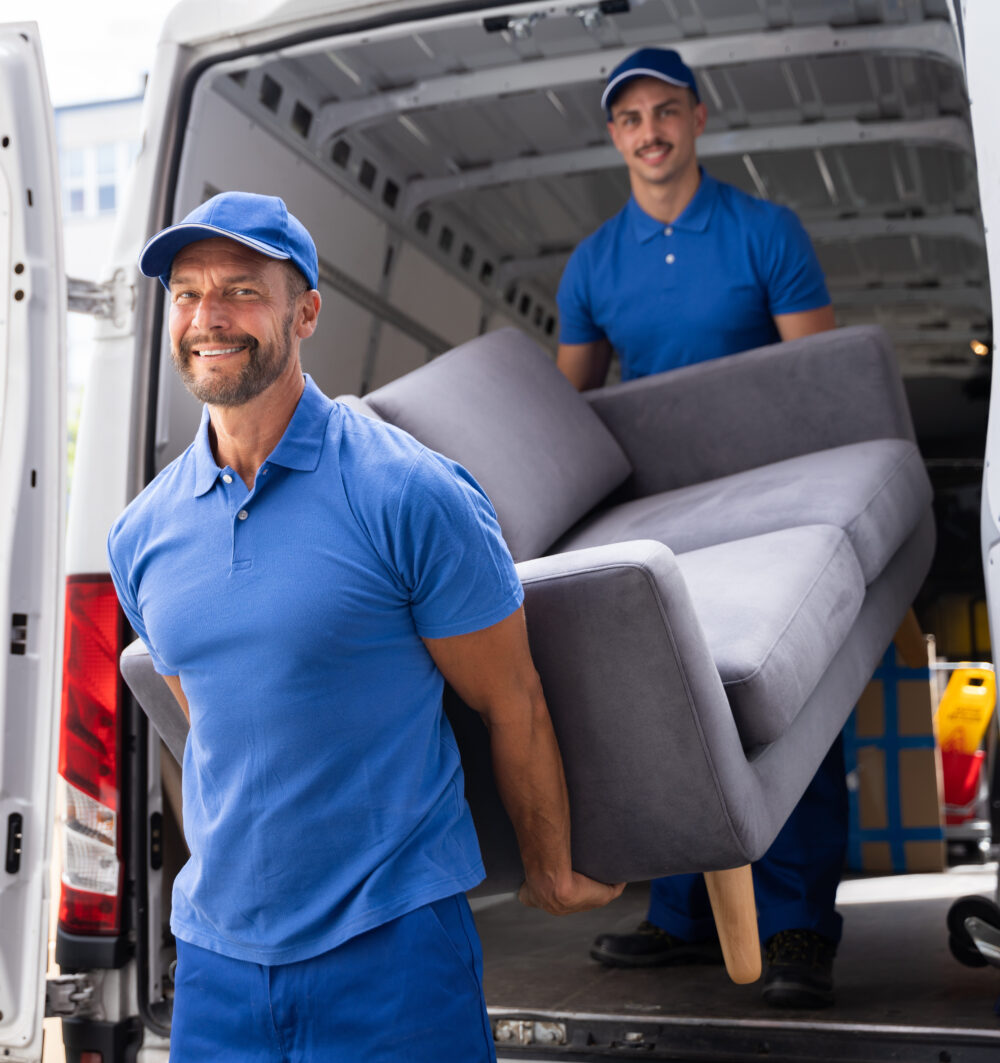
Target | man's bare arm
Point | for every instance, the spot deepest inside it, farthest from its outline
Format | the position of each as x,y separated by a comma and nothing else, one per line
805,323
492,671
585,364
174,682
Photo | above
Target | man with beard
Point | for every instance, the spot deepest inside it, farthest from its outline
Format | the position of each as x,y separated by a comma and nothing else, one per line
692,269
305,578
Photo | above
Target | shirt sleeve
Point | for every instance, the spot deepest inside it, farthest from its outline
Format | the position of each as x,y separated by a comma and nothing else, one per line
576,323
127,595
450,553
795,279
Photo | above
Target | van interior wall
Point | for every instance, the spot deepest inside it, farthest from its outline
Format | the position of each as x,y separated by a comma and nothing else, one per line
426,310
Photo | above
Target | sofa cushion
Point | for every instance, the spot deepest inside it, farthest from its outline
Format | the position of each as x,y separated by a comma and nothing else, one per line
775,610
499,406
875,491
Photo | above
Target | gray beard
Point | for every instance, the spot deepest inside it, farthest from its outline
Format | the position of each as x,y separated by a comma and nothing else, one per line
262,368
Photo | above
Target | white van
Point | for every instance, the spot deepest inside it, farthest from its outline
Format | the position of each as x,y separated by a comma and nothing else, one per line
447,157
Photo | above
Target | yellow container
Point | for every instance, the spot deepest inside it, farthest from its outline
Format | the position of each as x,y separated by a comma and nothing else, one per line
965,709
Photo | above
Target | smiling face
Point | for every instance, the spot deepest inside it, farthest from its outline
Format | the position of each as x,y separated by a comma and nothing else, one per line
655,125
235,320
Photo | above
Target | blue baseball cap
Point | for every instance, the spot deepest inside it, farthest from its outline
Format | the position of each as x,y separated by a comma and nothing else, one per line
661,63
258,222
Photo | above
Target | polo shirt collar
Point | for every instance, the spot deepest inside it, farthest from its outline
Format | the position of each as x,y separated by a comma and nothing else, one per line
694,218
299,448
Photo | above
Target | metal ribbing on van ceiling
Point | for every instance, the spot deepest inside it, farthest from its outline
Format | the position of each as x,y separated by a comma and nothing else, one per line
947,132
933,39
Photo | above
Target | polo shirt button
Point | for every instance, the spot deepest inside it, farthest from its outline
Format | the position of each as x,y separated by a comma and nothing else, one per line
670,260
668,231
226,478
243,514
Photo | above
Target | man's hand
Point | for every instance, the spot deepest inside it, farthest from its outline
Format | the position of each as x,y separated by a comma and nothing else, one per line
577,894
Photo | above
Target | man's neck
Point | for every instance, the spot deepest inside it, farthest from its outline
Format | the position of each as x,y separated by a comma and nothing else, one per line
243,437
667,202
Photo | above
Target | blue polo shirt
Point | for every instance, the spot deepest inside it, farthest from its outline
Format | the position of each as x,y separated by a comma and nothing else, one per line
323,791
706,285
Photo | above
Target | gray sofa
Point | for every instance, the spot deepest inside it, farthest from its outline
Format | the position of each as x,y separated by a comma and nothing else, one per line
714,560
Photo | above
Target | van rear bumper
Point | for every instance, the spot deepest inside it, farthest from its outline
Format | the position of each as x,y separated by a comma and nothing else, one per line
117,1042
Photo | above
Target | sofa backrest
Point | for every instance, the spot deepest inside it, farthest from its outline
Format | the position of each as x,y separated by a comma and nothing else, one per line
499,406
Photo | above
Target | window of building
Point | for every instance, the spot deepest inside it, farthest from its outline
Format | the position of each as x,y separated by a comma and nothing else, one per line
74,201
105,197
107,159
73,162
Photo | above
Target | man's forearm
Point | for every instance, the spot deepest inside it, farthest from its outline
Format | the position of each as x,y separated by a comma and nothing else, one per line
528,770
529,774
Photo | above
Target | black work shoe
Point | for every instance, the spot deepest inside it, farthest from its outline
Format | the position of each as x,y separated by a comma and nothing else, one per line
649,946
799,972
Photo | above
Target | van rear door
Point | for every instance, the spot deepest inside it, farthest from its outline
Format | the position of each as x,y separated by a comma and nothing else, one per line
32,488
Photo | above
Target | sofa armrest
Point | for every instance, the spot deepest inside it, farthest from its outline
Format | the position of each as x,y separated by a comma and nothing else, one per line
155,698
751,409
652,756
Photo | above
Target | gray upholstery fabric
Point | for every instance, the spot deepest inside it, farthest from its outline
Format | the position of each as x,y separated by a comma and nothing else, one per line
499,406
875,491
153,694
632,687
782,770
775,610
756,408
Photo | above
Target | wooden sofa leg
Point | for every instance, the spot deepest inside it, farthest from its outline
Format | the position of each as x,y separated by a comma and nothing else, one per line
731,895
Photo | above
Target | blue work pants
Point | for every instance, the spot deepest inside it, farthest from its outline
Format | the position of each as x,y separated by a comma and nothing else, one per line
409,990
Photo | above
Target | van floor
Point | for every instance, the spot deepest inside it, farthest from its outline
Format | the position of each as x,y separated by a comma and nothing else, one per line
900,993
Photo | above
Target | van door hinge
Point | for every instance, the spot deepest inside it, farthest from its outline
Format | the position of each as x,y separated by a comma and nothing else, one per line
69,995
112,299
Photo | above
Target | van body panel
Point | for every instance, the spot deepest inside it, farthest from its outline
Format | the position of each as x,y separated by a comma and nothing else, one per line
32,484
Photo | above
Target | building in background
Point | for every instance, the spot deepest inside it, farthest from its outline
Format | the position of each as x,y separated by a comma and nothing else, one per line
97,143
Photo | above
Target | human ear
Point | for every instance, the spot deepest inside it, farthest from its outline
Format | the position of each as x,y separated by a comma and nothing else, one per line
307,313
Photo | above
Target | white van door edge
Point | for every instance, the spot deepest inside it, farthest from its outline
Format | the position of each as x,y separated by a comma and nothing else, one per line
981,25
32,489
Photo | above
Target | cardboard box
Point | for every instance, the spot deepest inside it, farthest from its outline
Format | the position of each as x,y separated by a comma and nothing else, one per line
894,772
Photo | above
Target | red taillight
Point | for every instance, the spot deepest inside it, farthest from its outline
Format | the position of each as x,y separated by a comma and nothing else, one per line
88,747
81,912
89,758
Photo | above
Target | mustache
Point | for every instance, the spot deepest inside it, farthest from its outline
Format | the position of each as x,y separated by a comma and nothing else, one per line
189,345
653,144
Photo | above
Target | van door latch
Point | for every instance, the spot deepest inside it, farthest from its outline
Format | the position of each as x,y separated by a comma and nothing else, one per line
15,838
112,300
68,995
